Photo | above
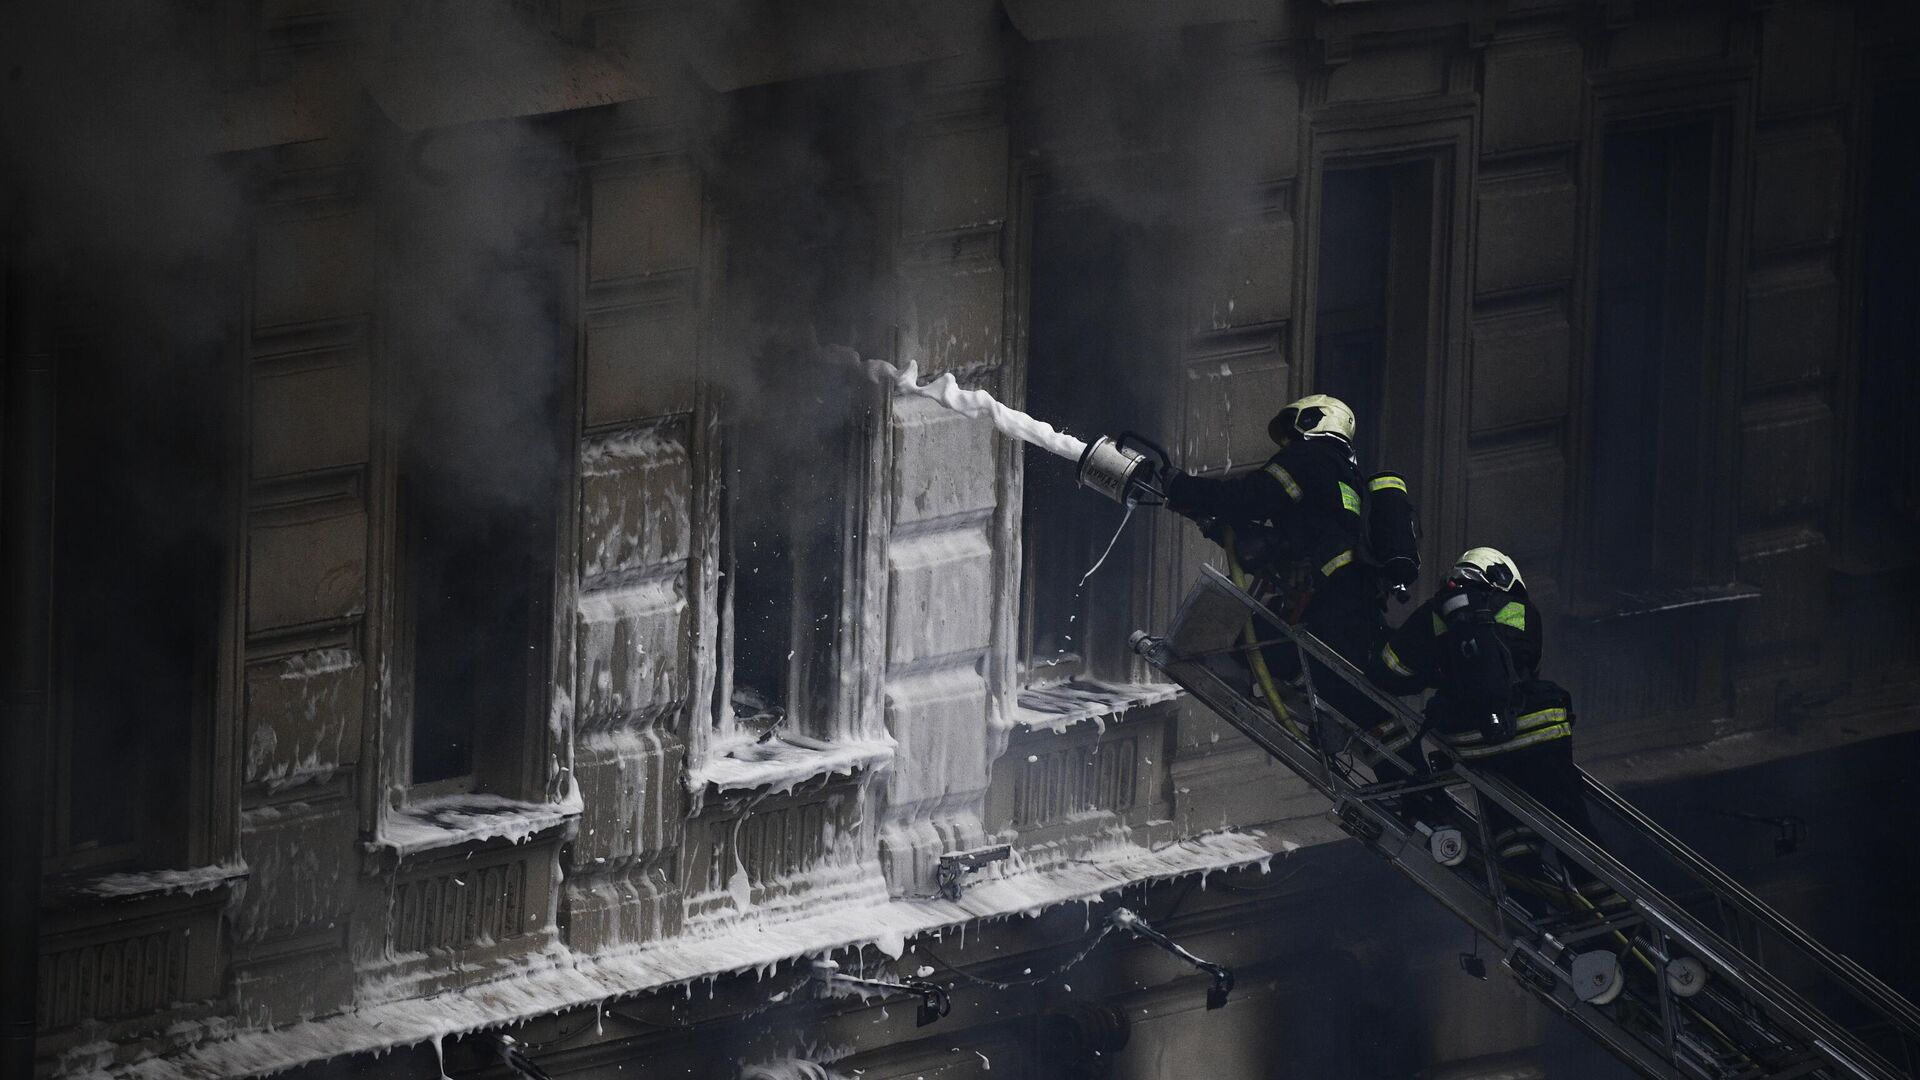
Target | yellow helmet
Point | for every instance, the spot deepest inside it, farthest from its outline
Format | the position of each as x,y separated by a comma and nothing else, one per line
1312,416
1490,566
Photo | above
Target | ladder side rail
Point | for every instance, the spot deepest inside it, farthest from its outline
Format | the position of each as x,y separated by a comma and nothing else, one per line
1735,962
1727,962
1394,840
1900,1012
1463,895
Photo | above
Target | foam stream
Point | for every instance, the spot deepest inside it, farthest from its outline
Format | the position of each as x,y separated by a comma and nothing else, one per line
981,406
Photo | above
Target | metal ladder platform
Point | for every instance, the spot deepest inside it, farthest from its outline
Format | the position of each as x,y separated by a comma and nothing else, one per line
1681,973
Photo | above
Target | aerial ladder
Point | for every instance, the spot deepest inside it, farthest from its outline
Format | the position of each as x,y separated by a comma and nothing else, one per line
1680,972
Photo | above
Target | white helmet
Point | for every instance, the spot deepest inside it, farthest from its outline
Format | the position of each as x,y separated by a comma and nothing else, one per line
1488,566
1313,416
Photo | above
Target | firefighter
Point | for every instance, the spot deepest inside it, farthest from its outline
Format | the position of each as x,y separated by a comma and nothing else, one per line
1477,645
1298,522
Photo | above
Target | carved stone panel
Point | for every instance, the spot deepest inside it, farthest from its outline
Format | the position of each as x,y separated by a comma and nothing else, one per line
635,502
632,661
623,885
640,364
644,223
303,714
1525,233
940,594
306,270
928,439
1520,366
939,721
1516,499
1804,55
1793,324
1789,566
955,180
1386,74
951,315
306,564
1532,94
1799,189
1786,458
304,863
1247,278
309,412
1229,401
636,534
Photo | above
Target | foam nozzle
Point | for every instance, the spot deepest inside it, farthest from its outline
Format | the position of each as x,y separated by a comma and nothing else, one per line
1121,472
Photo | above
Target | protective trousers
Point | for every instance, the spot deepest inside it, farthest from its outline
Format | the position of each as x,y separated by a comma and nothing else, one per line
1545,771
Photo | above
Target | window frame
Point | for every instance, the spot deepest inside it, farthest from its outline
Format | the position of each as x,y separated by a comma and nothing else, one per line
1349,136
1721,101
517,770
851,709
209,806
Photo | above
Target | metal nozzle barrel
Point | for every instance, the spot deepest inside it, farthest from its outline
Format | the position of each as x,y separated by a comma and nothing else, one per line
1118,471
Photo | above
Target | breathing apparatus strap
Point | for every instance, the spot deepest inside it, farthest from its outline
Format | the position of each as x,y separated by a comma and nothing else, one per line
1255,658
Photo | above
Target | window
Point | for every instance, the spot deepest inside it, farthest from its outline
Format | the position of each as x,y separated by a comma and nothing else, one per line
481,470
1372,309
809,286
141,521
798,446
1100,347
1885,471
1652,306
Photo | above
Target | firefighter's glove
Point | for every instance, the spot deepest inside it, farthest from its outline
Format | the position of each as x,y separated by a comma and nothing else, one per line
1257,546
1177,483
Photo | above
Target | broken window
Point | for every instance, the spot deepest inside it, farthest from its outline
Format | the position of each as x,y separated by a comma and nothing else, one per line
141,521
1652,309
482,467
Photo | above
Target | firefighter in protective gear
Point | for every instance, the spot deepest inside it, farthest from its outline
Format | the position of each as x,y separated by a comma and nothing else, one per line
1298,522
1477,645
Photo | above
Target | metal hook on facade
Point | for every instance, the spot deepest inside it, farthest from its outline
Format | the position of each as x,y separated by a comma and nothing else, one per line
934,1002
1217,991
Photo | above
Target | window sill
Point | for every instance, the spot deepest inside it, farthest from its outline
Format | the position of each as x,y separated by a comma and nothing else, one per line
447,821
1663,601
145,885
1059,706
784,763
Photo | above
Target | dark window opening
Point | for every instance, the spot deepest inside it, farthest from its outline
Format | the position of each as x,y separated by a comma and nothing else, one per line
1100,345
810,291
1649,359
482,468
140,525
1886,466
793,501
1372,306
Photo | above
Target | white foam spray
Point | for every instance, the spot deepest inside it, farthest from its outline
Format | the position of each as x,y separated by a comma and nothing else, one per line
1102,560
981,406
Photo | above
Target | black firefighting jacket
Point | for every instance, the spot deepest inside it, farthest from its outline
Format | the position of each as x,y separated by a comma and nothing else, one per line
1300,510
1479,650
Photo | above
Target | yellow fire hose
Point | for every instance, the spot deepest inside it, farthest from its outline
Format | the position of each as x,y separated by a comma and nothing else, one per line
1255,658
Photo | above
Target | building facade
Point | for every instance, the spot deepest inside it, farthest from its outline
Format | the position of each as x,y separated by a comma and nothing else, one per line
486,593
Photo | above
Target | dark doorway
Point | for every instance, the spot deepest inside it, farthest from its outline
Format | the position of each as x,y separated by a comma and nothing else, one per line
1649,358
1372,309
